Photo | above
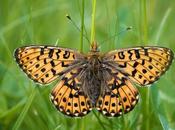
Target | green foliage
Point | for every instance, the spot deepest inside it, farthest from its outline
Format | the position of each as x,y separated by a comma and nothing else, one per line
25,105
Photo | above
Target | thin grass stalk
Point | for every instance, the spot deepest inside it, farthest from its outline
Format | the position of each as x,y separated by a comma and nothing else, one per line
81,46
82,27
99,120
162,24
145,22
92,39
24,110
93,21
146,93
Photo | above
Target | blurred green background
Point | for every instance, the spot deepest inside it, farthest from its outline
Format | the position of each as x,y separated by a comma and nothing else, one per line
24,105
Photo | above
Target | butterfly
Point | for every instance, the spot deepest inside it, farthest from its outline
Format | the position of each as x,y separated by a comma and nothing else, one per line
102,81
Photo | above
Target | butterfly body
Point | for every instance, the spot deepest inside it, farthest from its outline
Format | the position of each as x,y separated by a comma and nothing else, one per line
94,80
92,77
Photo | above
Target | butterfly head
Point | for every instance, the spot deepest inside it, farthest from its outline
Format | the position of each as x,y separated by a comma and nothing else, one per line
94,47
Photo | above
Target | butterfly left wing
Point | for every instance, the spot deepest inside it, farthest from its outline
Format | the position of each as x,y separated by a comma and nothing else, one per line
43,64
121,98
68,98
143,65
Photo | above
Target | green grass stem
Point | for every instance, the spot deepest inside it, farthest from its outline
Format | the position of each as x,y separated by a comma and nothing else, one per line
25,110
162,24
82,27
93,20
145,22
99,120
146,93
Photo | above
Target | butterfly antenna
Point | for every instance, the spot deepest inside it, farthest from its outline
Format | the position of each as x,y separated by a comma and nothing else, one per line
85,36
115,35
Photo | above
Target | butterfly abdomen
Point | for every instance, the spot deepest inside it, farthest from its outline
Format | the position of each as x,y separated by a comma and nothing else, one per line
92,79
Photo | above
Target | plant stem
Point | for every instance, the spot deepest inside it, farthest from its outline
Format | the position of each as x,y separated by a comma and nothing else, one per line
146,93
93,21
145,40
81,43
167,13
100,122
145,24
25,110
82,27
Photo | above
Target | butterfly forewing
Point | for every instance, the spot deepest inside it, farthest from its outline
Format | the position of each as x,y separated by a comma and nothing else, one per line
44,64
143,65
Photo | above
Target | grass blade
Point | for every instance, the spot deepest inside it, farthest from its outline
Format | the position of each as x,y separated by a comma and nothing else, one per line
162,25
93,21
25,110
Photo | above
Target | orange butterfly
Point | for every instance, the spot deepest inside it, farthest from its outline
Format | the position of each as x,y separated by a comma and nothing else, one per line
94,80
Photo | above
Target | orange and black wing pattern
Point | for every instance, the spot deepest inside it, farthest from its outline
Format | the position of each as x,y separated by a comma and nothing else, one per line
143,65
121,97
68,97
44,64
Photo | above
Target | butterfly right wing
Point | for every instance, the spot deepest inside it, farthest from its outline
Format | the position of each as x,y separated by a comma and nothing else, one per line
68,97
143,65
44,64
121,98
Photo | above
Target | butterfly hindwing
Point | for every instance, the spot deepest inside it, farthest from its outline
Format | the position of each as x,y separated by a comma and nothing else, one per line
143,65
44,64
121,98
68,97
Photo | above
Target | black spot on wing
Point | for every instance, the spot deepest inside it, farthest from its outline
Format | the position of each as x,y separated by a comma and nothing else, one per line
51,53
121,55
43,70
66,54
52,63
137,54
53,71
143,62
37,65
38,57
135,64
64,65
145,51
45,61
57,53
42,51
150,67
134,72
144,71
130,54
123,65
